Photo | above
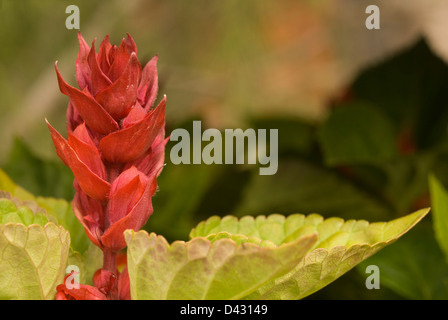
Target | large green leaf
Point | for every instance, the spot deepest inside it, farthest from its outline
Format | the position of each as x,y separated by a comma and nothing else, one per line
221,267
34,251
33,260
341,246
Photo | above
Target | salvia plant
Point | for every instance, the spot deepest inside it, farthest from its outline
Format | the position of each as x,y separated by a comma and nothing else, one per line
115,149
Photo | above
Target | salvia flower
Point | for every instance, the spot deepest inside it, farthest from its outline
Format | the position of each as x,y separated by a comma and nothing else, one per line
116,141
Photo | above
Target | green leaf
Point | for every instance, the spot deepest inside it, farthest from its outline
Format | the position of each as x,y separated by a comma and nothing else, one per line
439,202
218,268
33,260
357,134
341,246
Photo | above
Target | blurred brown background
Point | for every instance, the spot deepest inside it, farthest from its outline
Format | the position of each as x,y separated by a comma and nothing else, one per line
223,61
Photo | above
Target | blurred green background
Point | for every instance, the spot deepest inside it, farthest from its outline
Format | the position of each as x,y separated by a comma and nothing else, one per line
362,114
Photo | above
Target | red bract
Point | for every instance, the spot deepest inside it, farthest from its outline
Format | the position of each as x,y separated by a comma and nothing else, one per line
108,286
116,142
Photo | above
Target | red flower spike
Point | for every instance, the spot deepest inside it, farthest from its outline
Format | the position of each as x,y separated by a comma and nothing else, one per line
91,111
137,138
119,97
115,148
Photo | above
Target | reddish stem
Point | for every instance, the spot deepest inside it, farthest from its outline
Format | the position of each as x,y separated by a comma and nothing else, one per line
110,261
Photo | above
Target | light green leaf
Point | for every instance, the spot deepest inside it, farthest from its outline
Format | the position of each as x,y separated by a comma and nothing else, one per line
33,260
341,246
439,203
219,268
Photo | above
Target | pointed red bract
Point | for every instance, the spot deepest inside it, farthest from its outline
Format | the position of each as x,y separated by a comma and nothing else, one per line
120,60
99,80
103,55
91,111
90,213
136,114
119,97
149,84
87,151
82,66
136,139
125,192
135,219
90,182
152,162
